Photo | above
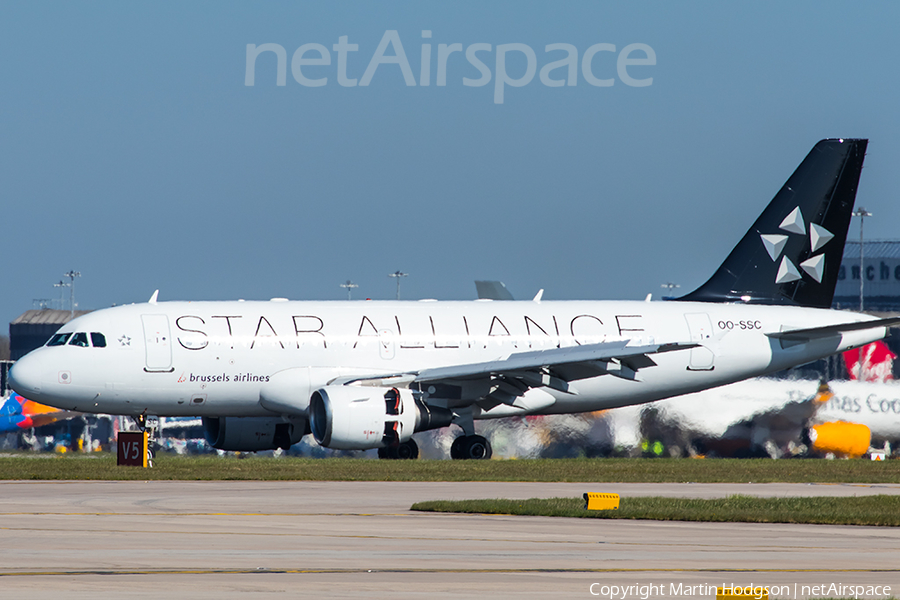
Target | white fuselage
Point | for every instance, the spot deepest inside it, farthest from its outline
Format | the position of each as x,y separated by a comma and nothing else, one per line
216,358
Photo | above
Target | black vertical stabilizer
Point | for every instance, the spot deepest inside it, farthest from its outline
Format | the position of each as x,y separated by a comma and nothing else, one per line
793,252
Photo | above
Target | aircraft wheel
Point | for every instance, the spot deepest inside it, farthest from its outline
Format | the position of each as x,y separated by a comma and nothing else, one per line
470,447
477,448
455,447
408,450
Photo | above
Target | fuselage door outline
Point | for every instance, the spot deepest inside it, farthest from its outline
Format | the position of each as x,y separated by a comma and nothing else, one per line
157,344
386,344
701,358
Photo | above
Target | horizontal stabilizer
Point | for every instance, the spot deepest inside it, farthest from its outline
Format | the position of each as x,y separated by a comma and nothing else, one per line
831,330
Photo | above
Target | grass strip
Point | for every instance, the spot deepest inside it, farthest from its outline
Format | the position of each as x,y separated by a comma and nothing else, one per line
102,466
858,510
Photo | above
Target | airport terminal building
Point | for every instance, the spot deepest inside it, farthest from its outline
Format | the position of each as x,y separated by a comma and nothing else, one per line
33,328
880,277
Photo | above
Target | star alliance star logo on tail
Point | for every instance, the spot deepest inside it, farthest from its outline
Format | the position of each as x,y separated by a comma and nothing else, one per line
793,224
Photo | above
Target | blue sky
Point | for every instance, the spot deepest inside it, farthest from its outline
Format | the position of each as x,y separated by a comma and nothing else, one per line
132,151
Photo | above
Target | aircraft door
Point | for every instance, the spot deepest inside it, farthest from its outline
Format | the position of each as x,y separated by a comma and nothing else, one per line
157,344
386,344
700,327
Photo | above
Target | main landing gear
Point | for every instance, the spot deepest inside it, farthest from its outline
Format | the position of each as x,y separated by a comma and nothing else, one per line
470,447
408,450
465,447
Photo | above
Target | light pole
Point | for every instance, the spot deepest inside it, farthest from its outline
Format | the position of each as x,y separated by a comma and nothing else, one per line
862,214
397,275
349,285
72,275
61,284
669,286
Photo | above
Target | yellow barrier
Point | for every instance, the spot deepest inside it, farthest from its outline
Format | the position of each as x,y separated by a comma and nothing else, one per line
598,501
744,593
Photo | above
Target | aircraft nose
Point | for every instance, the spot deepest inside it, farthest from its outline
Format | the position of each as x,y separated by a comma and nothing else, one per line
26,375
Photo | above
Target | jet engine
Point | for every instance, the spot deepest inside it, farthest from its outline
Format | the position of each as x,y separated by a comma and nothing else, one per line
249,434
359,418
849,440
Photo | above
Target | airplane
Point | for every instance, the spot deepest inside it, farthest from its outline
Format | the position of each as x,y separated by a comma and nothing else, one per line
876,361
368,375
492,290
761,417
20,414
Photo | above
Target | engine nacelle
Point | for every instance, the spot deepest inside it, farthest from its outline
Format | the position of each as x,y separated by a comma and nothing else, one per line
358,418
249,434
850,440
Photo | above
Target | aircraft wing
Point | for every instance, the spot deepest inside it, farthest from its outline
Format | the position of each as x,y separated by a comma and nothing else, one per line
571,363
830,330
505,379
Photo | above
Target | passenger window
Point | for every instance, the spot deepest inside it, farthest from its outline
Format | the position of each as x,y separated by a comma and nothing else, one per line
59,339
79,339
98,340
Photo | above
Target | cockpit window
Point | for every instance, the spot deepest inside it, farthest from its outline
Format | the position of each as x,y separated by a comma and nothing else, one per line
59,339
98,340
79,339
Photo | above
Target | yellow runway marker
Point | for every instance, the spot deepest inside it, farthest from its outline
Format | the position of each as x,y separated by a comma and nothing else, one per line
601,501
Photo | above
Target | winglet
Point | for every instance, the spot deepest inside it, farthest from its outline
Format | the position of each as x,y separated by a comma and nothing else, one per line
153,298
539,295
